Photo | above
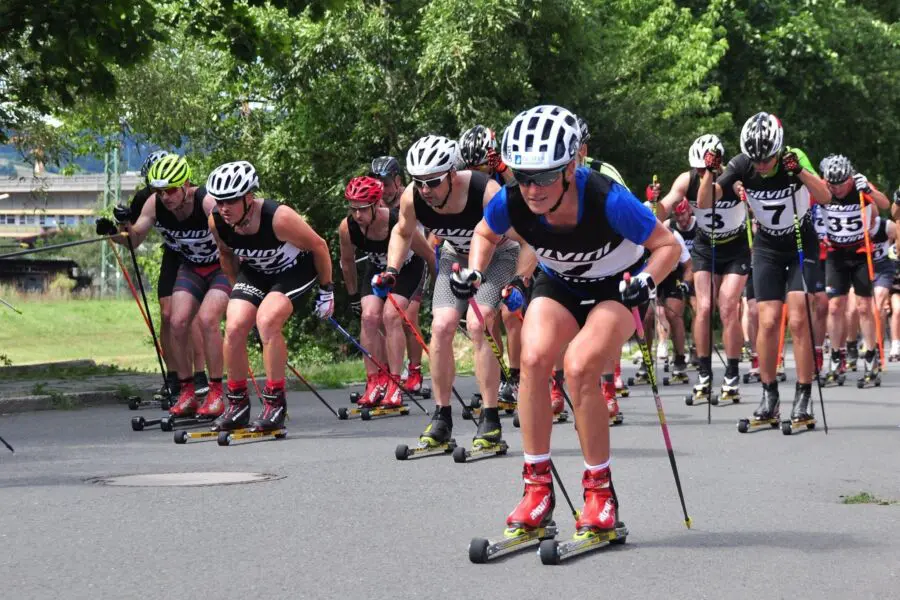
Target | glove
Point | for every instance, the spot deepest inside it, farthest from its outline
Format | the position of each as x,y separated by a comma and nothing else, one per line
356,304
494,162
325,301
861,183
465,282
640,289
513,295
790,162
106,227
685,288
384,282
897,196
892,252
713,161
652,192
122,214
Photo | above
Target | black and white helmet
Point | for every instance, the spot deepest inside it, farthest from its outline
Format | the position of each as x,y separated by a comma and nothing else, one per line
702,145
583,130
151,160
541,138
836,168
431,154
475,144
762,136
385,166
232,180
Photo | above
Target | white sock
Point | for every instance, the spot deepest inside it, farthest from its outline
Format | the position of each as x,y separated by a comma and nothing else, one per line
533,459
595,468
895,346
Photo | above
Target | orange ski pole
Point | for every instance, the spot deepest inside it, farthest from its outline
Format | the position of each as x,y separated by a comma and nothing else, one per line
876,312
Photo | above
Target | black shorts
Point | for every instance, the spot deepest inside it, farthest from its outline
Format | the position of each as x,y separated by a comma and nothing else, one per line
168,273
253,286
748,288
885,270
731,257
578,301
842,270
410,279
197,280
776,272
668,287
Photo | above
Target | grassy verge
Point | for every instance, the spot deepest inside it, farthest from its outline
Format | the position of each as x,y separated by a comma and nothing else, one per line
866,498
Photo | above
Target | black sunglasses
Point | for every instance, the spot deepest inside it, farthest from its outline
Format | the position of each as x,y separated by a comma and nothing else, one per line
229,201
539,178
432,183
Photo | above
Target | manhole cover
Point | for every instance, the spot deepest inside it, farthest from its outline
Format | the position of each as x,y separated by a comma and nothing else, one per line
183,479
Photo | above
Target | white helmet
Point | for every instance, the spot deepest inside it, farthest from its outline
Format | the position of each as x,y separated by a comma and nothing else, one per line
702,145
232,180
762,136
541,138
431,154
836,168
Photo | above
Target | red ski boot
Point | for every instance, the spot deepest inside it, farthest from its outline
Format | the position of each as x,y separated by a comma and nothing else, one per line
535,509
187,404
413,381
599,512
621,388
393,396
609,394
374,391
214,404
557,400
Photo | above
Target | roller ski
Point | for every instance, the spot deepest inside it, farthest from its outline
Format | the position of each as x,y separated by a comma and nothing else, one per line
871,376
767,413
746,352
473,410
678,375
852,357
162,398
835,375
487,441
621,389
529,523
234,419
752,376
597,525
268,424
801,413
168,422
640,377
612,404
391,405
702,392
731,392
436,439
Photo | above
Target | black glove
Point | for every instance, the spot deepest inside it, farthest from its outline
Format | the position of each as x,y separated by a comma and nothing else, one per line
640,289
356,304
106,227
122,214
465,282
685,288
790,162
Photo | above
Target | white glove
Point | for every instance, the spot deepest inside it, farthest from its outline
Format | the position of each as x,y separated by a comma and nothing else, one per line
325,301
861,183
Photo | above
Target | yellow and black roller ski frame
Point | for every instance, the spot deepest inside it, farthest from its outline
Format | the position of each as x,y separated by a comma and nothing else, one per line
404,452
832,379
638,379
225,438
617,420
367,413
182,436
514,540
745,425
562,417
623,392
788,427
168,422
507,407
553,552
676,379
461,455
732,397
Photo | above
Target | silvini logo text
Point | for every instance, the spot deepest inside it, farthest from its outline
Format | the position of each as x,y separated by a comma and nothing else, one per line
770,194
256,252
453,233
178,234
561,256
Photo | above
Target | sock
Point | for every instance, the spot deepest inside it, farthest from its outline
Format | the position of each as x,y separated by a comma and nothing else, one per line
804,387
835,355
491,414
514,374
445,413
198,374
275,385
237,385
171,376
705,365
679,359
732,369
870,355
595,468
895,346
559,375
215,379
771,387
851,346
533,459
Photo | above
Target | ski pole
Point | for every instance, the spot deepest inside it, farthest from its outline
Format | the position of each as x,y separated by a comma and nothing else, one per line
487,334
562,488
876,312
311,388
58,246
377,364
134,293
137,273
418,336
812,342
10,306
5,443
645,355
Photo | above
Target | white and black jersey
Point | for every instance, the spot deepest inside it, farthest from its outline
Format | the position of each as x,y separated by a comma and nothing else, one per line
191,237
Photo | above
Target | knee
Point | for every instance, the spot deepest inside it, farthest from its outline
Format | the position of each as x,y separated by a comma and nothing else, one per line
392,321
581,372
535,361
797,322
704,305
269,325
180,324
208,321
443,329
769,322
864,309
236,332
165,313
728,310
371,319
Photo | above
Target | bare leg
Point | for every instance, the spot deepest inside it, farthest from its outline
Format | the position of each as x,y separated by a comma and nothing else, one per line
443,363
370,324
395,338
487,367
208,319
798,320
274,311
769,323
184,308
240,316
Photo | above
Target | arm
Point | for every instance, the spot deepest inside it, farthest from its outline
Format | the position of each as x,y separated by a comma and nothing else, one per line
141,228
664,252
708,191
678,191
348,259
490,230
290,227
421,248
402,234
878,198
230,263
688,271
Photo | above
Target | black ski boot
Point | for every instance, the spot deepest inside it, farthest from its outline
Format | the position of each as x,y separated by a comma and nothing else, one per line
438,432
273,413
802,412
489,432
767,413
237,415
201,384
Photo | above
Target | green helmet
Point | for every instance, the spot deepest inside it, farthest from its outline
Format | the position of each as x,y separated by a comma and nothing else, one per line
170,171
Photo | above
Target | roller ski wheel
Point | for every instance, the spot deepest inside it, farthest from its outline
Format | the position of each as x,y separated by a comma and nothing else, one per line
461,455
507,407
617,420
788,427
515,539
354,397
404,452
225,438
167,423
183,437
702,393
745,425
834,379
367,414
137,423
893,357
516,422
553,552
343,413
134,402
424,393
640,378
767,413
623,392
751,377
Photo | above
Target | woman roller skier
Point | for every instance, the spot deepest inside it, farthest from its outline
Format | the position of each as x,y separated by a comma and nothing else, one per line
588,231
272,257
778,181
368,229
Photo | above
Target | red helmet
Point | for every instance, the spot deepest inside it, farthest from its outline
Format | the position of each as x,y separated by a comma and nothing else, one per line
682,207
364,190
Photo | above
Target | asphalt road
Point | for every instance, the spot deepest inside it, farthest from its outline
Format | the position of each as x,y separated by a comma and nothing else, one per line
347,520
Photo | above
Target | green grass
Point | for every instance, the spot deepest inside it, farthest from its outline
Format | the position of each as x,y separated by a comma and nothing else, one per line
866,498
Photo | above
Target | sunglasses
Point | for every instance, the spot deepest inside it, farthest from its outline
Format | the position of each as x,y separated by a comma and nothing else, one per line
432,183
540,178
229,201
167,191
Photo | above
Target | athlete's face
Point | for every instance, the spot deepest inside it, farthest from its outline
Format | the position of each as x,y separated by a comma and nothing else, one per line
542,189
232,210
433,188
765,167
843,189
393,187
172,197
362,214
683,219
